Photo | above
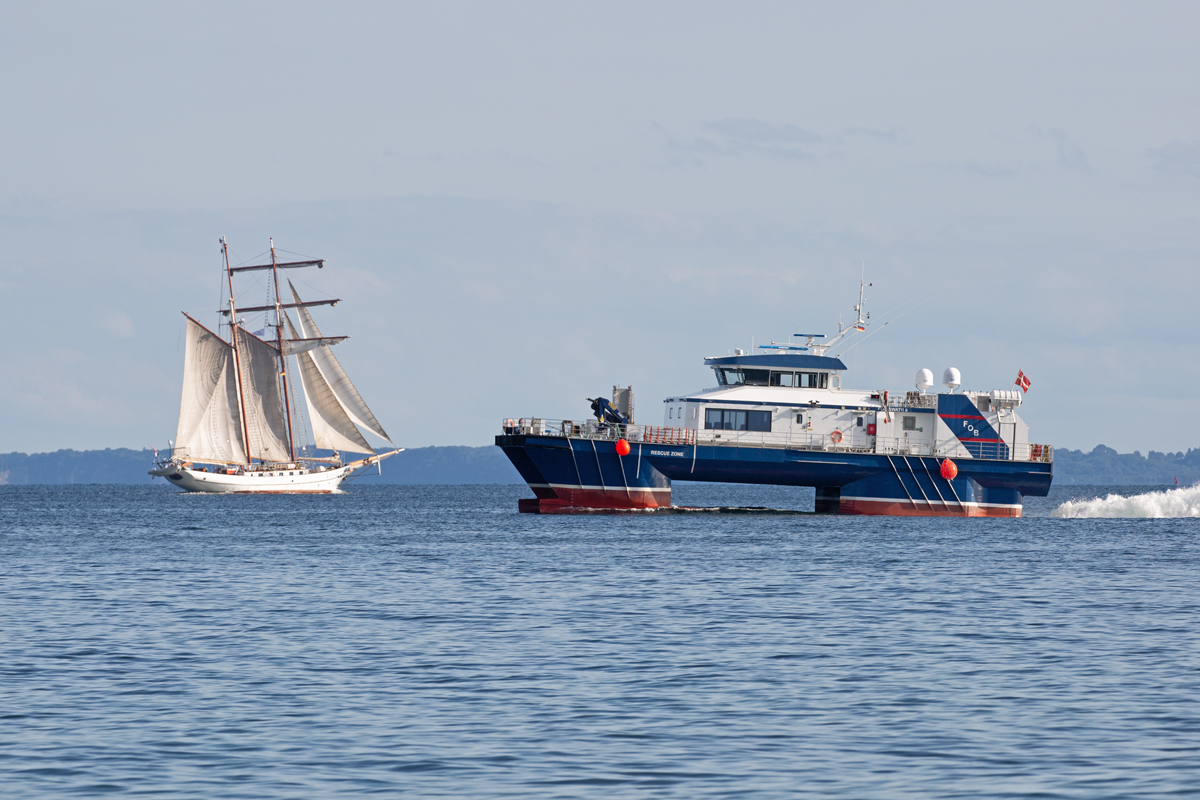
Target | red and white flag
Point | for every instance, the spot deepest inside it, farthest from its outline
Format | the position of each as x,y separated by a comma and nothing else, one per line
1022,381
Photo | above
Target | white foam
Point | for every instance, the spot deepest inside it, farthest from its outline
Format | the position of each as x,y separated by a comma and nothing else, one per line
1169,504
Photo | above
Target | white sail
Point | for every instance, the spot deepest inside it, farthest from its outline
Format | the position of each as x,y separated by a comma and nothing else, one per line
339,383
296,346
266,421
210,428
332,428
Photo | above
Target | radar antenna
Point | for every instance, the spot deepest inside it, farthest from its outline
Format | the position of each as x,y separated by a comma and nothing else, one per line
859,325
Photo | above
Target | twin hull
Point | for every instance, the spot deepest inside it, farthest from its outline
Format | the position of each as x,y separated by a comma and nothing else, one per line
569,474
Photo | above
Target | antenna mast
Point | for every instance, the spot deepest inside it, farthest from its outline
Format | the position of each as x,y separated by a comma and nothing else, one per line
860,323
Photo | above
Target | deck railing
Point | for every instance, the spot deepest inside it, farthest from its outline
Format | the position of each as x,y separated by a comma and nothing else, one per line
850,441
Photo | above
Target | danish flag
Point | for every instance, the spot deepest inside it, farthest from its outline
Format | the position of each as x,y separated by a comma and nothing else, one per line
1022,381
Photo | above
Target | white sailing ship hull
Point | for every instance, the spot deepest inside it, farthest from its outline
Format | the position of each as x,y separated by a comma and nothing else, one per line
293,481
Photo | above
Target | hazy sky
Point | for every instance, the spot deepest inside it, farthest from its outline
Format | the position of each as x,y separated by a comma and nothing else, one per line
523,204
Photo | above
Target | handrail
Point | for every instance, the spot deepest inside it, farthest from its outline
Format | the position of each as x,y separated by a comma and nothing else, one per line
853,440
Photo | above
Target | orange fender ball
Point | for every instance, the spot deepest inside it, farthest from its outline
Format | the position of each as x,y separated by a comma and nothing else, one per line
622,447
949,470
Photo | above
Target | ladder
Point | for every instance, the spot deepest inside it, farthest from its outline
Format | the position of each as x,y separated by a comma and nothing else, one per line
932,482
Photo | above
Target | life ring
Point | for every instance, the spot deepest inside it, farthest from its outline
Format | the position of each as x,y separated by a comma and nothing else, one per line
836,436
510,426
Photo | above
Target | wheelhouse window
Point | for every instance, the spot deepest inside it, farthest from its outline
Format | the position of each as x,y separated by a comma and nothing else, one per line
727,376
756,377
812,380
783,378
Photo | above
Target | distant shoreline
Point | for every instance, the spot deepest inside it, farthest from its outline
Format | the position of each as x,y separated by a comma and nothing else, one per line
1103,466
420,465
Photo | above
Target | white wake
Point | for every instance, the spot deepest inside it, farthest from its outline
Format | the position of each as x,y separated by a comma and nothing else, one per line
1169,504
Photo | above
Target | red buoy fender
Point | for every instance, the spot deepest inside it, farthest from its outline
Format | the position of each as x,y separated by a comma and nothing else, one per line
622,447
949,470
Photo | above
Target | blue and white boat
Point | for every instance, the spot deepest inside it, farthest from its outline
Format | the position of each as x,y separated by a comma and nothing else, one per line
784,417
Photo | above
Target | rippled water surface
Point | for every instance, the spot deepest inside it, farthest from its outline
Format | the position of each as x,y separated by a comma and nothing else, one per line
430,641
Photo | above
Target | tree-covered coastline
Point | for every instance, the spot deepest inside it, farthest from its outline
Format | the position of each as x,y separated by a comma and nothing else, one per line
1103,466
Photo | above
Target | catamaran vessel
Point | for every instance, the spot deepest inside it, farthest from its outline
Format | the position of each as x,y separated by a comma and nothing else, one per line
238,419
783,417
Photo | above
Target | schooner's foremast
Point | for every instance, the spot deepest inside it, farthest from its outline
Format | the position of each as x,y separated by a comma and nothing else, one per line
237,402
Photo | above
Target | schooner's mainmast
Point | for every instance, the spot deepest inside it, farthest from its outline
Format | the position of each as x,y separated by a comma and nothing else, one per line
281,344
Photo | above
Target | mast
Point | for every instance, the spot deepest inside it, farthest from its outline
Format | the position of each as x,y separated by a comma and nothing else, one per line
860,324
237,359
287,401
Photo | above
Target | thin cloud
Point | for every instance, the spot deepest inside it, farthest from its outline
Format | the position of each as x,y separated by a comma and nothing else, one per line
1177,158
733,137
1069,154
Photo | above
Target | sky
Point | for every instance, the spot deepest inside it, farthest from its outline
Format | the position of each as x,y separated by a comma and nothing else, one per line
523,204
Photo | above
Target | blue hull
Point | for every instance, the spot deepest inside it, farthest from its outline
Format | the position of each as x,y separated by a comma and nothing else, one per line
576,474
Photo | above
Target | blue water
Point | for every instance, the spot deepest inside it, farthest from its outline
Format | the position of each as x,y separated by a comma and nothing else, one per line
430,641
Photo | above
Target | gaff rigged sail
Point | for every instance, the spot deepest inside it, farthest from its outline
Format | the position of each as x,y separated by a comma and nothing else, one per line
335,377
332,428
266,420
210,427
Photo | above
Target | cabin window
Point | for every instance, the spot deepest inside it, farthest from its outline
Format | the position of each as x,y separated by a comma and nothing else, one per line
783,378
756,377
859,422
799,419
725,419
758,421
670,413
910,423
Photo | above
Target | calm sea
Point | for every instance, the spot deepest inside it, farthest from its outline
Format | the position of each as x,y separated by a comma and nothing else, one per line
430,641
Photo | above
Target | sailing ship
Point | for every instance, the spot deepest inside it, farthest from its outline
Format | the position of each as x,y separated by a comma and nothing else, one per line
238,418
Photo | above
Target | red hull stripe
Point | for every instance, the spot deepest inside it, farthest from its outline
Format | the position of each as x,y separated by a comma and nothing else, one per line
961,416
568,499
920,508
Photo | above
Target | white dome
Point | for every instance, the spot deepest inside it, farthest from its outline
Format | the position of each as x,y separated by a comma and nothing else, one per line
924,379
952,378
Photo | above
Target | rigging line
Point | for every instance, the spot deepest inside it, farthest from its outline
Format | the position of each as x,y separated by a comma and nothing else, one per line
301,413
897,307
889,322
303,256
244,261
